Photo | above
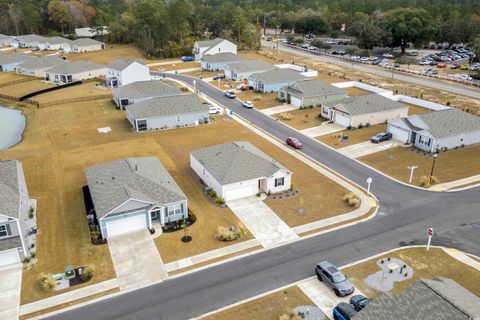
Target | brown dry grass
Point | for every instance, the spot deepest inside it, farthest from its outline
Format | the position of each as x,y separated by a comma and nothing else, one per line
302,119
112,52
425,264
354,91
202,74
269,307
80,91
178,66
20,89
414,109
260,100
11,76
449,166
354,136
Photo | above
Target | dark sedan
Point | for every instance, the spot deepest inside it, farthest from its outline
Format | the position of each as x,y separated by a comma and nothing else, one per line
382,136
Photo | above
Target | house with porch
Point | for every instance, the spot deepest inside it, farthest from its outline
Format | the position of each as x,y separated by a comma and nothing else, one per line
310,93
10,61
30,40
273,80
140,91
218,62
210,47
238,169
437,130
241,70
36,67
56,44
134,194
16,228
86,45
71,71
121,72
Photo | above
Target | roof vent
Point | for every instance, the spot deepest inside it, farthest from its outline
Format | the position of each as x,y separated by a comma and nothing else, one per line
136,168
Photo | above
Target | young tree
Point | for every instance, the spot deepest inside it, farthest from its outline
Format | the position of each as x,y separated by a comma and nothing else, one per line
58,13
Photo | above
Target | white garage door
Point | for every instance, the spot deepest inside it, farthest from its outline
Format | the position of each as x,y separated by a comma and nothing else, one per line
399,133
126,225
240,192
295,101
342,120
8,257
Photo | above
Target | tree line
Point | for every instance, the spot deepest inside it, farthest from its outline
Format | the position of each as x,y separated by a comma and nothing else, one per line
169,27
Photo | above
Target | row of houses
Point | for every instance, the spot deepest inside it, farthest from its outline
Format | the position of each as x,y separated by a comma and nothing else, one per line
52,43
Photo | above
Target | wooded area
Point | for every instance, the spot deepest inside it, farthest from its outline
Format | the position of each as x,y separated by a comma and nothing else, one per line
169,28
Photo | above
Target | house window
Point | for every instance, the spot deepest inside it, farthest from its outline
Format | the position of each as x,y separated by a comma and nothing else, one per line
178,118
424,140
3,230
279,182
175,209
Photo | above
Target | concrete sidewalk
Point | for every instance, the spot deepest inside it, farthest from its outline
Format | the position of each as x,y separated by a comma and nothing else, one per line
365,148
456,184
274,110
184,70
323,129
10,285
261,221
154,64
460,256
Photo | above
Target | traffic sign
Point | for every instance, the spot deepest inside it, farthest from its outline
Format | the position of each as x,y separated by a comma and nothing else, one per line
430,232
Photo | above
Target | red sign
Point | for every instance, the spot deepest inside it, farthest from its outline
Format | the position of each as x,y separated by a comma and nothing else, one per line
343,27
430,231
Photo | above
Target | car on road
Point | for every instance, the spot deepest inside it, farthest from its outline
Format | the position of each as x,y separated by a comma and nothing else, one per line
441,65
218,76
214,110
294,142
380,137
344,311
358,302
455,66
188,59
388,55
231,94
334,278
247,104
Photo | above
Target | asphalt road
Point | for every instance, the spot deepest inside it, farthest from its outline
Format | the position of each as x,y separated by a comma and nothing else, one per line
427,82
405,214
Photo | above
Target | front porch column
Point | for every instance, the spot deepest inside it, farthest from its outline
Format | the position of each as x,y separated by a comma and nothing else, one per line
163,212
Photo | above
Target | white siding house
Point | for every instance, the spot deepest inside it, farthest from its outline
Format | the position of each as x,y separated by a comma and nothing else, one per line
140,91
122,72
210,47
68,72
241,70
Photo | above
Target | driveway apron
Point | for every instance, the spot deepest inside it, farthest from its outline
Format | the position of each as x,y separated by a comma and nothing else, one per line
366,148
261,221
10,284
136,260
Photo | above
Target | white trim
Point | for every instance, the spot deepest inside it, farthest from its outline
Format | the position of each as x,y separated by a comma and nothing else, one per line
20,231
129,199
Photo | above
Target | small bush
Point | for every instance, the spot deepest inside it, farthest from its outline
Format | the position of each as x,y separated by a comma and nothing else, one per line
30,212
360,126
219,200
211,193
230,234
46,282
87,273
352,199
286,116
425,181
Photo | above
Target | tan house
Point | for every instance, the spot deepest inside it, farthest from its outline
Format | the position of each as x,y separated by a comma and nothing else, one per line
68,72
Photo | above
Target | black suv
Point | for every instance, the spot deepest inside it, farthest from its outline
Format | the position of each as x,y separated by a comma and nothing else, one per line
382,136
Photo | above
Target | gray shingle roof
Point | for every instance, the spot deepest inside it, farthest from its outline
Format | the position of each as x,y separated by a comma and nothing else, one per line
312,88
144,179
2,36
278,76
10,243
149,88
222,57
57,40
14,57
250,66
9,193
73,67
120,64
438,299
450,122
236,161
209,43
167,106
85,42
368,103
42,62
31,38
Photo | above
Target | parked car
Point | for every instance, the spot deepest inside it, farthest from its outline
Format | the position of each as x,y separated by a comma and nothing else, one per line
358,302
215,110
344,311
441,65
231,94
334,278
219,76
412,53
465,77
294,142
187,59
455,66
464,67
388,55
382,136
247,104
396,65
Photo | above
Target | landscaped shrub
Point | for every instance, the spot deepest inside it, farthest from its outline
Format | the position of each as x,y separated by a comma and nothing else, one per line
46,282
290,315
211,193
425,181
30,212
286,116
219,200
360,126
87,273
94,232
352,199
230,234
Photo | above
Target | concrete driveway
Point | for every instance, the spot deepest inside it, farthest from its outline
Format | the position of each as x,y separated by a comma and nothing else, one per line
10,284
261,221
366,148
136,260
323,129
282,108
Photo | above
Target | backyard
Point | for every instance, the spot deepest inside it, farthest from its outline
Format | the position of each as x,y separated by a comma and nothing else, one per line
20,89
354,136
301,118
82,91
260,100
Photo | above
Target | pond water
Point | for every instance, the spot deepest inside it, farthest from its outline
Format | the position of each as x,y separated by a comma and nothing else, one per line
12,124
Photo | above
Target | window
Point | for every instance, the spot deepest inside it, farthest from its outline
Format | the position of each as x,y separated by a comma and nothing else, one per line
175,209
279,182
178,118
424,140
3,230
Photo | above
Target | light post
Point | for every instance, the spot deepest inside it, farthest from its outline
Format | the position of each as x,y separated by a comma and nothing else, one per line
194,85
433,167
369,182
412,168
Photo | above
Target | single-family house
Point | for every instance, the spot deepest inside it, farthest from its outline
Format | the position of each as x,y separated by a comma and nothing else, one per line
273,80
86,45
15,243
437,130
368,109
71,71
56,44
217,62
239,169
311,93
439,298
209,47
167,112
140,91
90,32
36,67
30,40
10,61
134,194
5,40
121,72
241,70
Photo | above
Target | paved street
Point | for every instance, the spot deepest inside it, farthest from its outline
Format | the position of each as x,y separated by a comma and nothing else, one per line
404,215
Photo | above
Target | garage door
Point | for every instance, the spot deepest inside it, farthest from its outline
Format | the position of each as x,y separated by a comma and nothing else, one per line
342,120
117,227
8,257
399,133
296,101
240,192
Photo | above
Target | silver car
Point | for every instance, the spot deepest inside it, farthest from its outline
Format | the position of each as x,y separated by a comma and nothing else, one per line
334,278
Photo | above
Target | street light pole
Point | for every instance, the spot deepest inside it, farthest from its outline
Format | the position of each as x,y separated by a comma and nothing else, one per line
433,167
412,168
